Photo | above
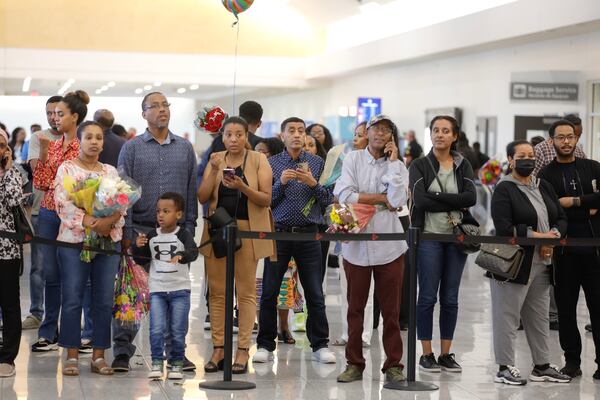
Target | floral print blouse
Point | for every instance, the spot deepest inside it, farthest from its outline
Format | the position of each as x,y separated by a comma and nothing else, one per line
45,172
10,196
71,217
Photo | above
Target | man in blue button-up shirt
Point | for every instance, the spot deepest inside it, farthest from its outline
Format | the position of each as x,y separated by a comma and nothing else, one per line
295,184
160,162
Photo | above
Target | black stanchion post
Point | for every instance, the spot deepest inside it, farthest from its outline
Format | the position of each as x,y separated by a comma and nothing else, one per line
230,233
411,384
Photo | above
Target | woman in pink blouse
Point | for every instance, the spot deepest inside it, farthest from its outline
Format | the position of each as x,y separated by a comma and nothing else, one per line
74,273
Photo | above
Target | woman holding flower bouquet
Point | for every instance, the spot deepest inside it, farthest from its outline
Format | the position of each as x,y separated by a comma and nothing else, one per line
238,180
74,272
70,112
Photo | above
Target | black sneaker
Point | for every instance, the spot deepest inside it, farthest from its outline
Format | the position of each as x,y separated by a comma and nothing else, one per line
588,327
596,374
510,376
86,347
550,374
553,325
121,363
44,345
427,363
207,323
187,365
448,363
572,370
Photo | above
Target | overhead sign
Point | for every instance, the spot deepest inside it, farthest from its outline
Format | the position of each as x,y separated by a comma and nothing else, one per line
544,91
367,108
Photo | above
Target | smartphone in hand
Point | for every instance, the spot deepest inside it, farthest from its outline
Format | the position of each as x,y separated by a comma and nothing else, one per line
229,172
302,166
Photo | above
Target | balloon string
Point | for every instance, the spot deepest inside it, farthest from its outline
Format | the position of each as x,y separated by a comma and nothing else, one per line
235,59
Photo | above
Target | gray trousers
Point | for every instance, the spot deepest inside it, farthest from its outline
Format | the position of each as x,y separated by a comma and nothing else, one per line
511,302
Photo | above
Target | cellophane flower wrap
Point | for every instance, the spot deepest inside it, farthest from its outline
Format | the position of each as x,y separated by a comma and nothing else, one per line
115,194
490,172
350,218
82,193
210,118
132,295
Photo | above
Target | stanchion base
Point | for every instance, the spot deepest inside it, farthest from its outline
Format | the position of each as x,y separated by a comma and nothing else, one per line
411,386
227,385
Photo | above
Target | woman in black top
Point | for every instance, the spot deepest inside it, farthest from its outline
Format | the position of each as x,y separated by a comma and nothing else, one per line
321,134
440,265
525,207
240,181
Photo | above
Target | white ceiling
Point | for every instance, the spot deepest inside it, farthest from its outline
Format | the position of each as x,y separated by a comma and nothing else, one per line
323,12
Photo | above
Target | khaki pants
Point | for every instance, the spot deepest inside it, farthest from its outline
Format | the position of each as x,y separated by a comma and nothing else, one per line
245,285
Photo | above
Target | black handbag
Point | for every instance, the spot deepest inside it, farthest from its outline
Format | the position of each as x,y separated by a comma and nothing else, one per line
468,226
23,226
218,220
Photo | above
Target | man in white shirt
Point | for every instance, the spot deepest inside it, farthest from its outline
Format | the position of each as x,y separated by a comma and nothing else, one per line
375,176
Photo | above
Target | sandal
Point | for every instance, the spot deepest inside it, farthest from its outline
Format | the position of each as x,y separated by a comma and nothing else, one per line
238,368
211,366
99,366
71,367
285,337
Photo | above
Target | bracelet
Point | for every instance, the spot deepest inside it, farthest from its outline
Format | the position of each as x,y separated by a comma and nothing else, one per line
576,201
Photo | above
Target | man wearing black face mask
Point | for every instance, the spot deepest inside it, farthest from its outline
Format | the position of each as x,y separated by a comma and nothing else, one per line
575,181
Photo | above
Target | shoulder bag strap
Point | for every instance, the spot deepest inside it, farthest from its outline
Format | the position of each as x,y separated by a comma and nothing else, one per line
450,218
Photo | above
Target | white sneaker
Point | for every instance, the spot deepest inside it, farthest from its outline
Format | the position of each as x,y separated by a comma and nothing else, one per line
156,371
31,322
6,370
324,356
262,356
175,372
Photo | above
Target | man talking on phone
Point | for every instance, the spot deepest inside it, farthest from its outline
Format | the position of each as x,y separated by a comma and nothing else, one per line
375,176
297,201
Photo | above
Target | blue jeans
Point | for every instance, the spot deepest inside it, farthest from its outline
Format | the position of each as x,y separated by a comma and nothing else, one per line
439,267
36,276
169,313
75,274
308,258
48,224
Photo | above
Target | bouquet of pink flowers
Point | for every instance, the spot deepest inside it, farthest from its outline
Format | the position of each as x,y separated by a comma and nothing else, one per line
132,296
115,195
350,218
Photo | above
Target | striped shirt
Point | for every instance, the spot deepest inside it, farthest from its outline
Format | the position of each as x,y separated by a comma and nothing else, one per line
160,168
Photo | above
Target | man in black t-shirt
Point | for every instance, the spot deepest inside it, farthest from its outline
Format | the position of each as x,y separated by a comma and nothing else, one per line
575,181
413,149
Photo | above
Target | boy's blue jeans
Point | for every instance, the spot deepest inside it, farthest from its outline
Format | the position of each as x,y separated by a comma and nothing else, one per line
169,313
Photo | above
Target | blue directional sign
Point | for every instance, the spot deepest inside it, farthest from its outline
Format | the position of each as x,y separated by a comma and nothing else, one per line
368,107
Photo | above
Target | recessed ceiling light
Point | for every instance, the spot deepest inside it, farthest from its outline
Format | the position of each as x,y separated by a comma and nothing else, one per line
111,84
26,84
157,83
98,91
139,90
195,86
147,87
104,88
181,90
66,86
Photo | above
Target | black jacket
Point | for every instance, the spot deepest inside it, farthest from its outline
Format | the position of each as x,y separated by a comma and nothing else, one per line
512,212
420,178
581,223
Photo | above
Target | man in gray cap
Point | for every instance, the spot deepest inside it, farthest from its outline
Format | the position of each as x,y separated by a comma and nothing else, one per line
378,177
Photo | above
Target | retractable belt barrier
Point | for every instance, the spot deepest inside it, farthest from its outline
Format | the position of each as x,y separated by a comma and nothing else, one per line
343,237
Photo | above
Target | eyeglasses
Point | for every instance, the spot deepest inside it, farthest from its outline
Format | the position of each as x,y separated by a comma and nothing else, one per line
3,146
158,106
382,129
568,138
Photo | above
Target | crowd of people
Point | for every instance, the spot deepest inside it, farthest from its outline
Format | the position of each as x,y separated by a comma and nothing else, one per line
274,185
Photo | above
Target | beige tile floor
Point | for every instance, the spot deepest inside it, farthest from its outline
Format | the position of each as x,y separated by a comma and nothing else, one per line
292,375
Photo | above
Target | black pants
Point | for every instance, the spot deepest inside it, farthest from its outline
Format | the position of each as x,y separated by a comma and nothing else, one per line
10,303
574,272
